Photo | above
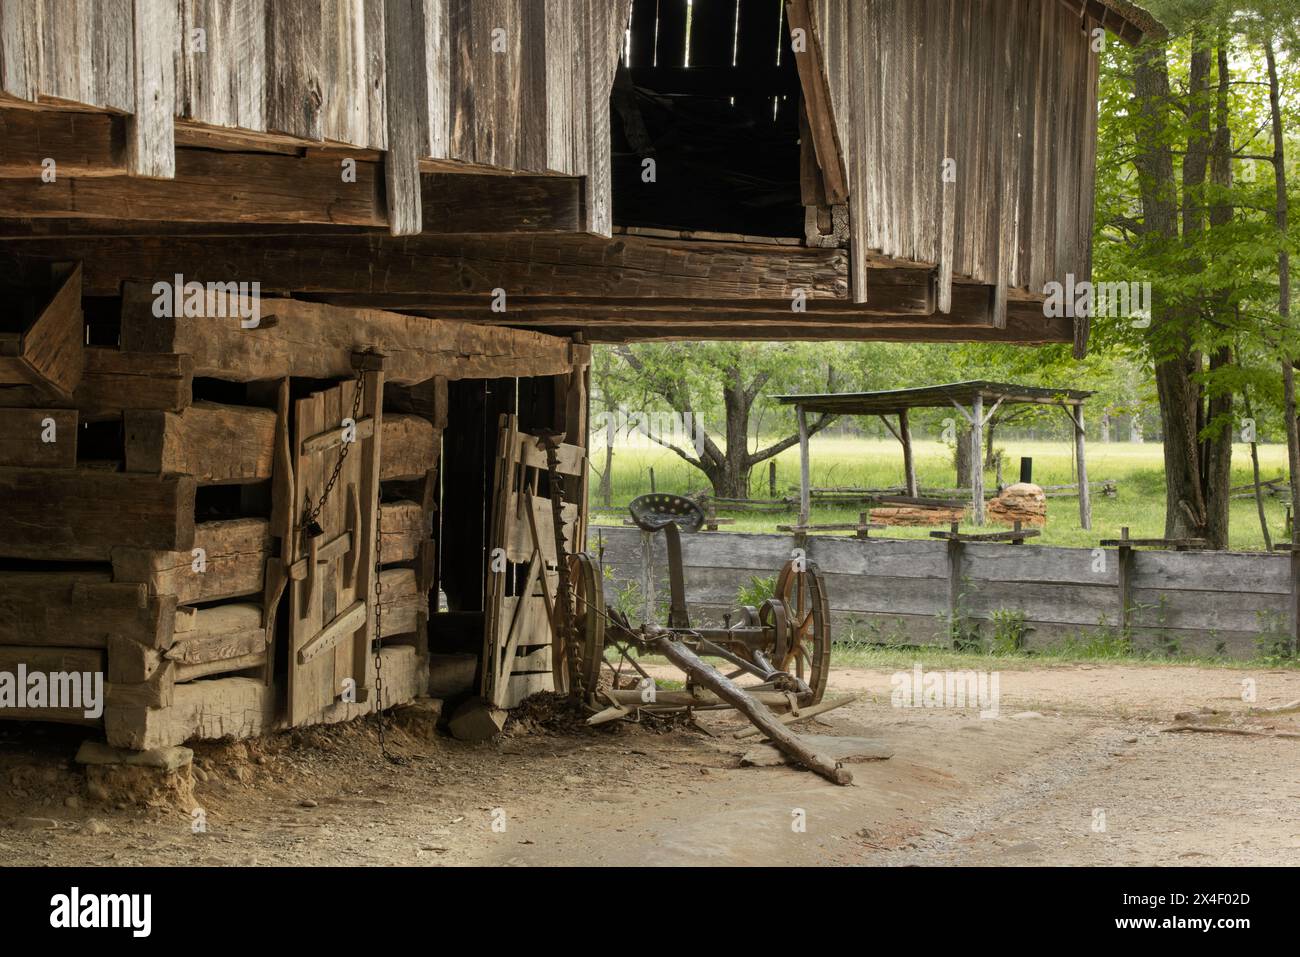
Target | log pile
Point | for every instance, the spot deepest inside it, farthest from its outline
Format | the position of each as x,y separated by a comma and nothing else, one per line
1022,502
917,515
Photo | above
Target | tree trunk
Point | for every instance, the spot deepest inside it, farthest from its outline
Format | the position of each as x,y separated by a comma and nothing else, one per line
963,458
1217,444
607,477
1177,363
1281,216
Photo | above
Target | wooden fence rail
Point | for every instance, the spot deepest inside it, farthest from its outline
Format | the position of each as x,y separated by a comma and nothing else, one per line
1236,604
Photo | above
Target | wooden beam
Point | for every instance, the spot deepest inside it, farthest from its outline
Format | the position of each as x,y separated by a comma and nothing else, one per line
114,381
217,444
260,184
819,105
312,340
223,635
85,663
82,514
631,267
47,355
410,448
39,438
470,203
405,526
79,144
80,609
227,561
213,187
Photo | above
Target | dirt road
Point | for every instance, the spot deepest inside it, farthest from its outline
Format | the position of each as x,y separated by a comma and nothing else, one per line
1074,770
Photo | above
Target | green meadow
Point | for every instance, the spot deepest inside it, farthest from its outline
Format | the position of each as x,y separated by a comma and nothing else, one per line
1136,468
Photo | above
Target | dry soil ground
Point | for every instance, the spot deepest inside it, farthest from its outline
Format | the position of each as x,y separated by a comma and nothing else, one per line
1075,771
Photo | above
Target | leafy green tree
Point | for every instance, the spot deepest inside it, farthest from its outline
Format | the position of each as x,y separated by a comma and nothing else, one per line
729,382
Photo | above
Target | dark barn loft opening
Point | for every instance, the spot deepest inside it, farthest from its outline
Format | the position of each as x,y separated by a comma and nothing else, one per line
708,90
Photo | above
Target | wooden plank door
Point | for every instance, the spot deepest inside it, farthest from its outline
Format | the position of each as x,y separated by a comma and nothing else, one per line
332,576
522,569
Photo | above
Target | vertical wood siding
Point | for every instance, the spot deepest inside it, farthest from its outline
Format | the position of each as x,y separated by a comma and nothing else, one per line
1007,90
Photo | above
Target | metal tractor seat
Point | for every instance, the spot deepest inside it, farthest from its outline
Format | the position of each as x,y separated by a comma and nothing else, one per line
672,514
657,510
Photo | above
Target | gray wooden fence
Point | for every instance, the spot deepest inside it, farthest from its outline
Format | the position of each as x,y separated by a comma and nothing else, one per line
928,591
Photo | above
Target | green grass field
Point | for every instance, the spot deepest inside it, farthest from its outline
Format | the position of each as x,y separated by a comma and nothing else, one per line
873,463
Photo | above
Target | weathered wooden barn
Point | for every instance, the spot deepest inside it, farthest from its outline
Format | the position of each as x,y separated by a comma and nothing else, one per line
296,289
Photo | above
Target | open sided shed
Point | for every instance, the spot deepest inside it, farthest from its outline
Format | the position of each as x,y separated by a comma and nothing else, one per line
978,401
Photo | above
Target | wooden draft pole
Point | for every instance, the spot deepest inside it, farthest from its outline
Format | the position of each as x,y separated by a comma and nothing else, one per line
754,710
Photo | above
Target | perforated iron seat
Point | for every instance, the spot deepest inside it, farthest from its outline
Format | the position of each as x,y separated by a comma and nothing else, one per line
659,509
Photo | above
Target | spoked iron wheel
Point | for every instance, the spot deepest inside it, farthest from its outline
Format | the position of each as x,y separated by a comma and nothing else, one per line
578,666
807,647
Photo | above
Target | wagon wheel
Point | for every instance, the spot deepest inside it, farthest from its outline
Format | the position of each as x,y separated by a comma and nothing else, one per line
807,651
580,668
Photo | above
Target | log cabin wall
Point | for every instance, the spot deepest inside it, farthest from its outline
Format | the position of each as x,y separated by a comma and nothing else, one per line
155,488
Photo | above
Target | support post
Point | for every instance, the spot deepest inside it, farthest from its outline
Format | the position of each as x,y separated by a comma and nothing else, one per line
1085,498
909,463
805,489
954,584
977,458
1123,577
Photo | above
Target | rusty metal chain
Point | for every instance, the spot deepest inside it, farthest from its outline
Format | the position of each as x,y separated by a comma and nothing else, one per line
310,514
376,648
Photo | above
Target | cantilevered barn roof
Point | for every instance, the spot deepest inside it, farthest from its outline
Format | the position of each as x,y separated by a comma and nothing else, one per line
931,396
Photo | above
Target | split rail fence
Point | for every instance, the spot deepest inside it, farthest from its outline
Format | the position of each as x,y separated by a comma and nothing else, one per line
1235,604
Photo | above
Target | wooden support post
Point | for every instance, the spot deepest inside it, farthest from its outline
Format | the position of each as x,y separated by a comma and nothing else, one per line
366,637
909,463
785,739
1085,499
977,459
1124,578
954,580
805,490
771,478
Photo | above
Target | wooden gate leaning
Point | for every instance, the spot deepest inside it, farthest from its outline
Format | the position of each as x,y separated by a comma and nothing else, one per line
331,605
522,570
